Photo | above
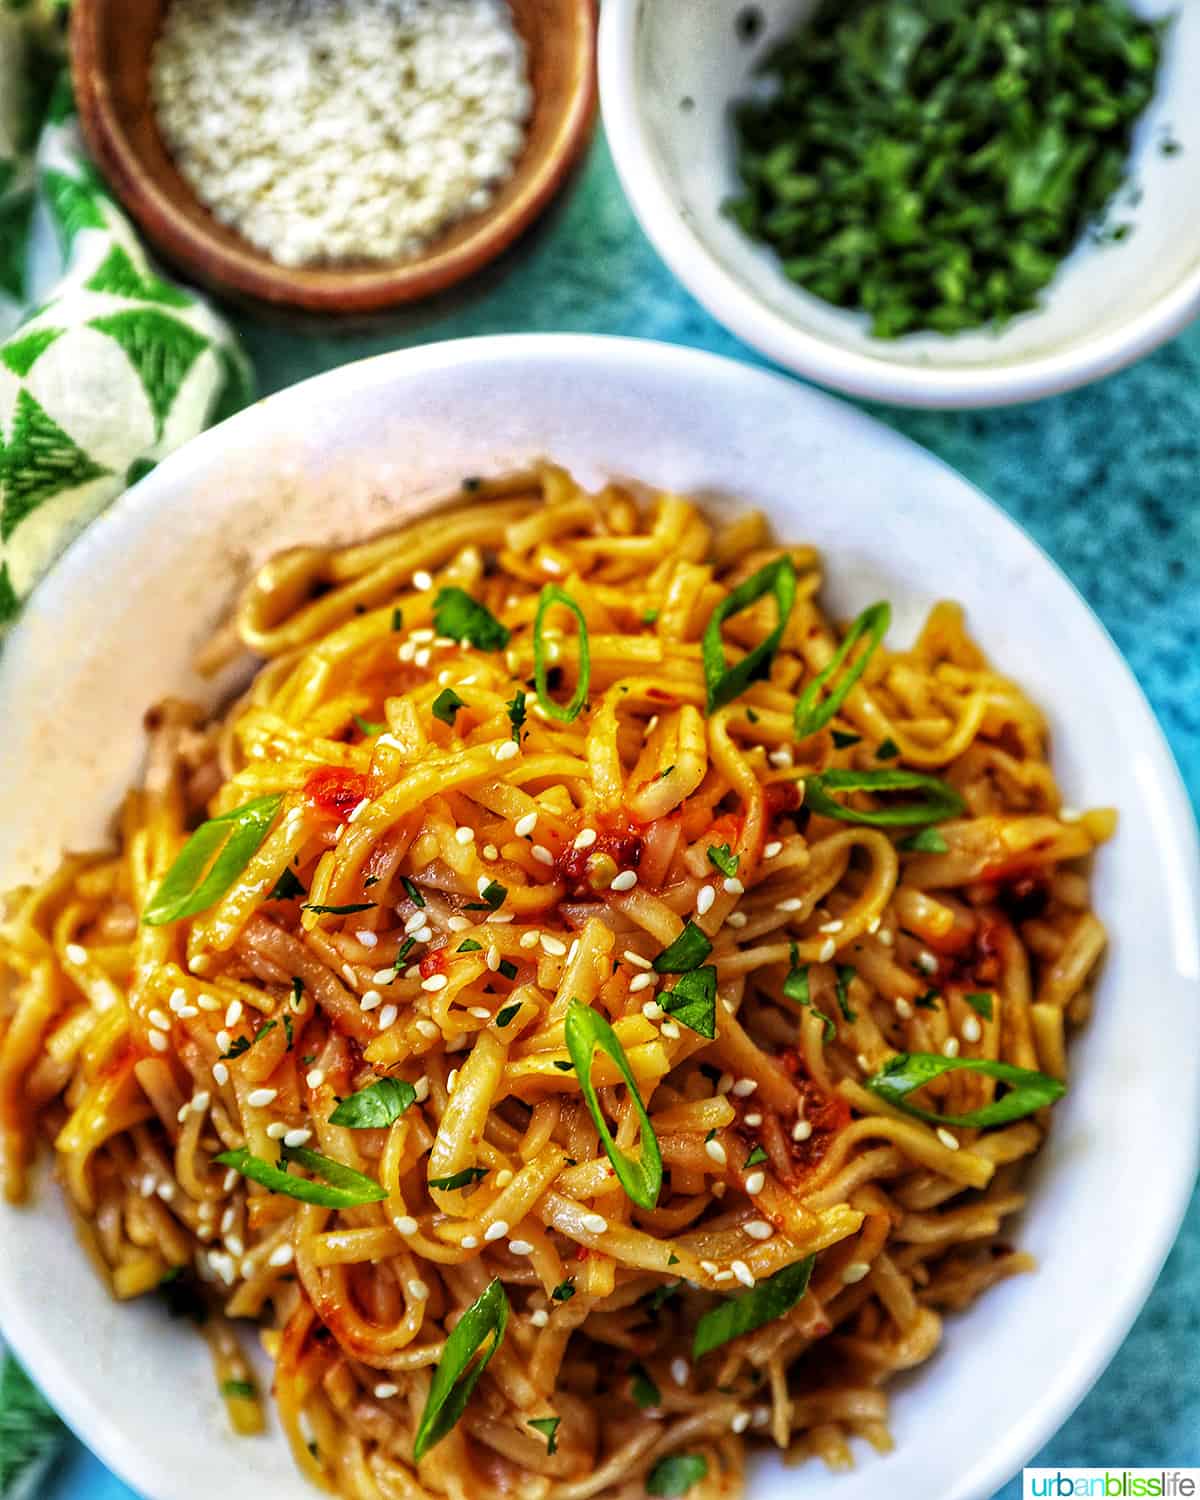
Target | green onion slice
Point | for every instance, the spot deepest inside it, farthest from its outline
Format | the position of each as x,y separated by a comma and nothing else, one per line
725,683
342,1186
940,800
586,1029
813,712
1027,1090
459,1368
694,1001
568,713
462,618
197,880
687,952
376,1107
762,1304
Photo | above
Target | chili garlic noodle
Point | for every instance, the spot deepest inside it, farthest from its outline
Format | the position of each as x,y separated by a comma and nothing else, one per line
591,1010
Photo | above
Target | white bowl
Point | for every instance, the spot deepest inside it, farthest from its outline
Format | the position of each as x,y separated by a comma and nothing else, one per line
1108,306
114,628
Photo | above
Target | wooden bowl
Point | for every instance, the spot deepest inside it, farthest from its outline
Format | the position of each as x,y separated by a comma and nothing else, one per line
111,42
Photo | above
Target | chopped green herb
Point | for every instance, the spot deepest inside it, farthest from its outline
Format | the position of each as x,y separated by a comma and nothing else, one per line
370,881
928,1001
980,1002
414,895
723,682
397,619
504,1016
796,989
516,714
676,1474
287,1029
649,616
643,1389
940,800
655,1299
907,1071
507,968
341,1186
767,1301
843,741
406,947
376,1107
243,1044
888,750
459,1369
752,716
665,772
586,1030
564,713
931,166
211,860
297,992
694,1001
756,1156
462,618
845,973
924,841
456,1180
687,952
337,911
813,712
446,706
563,1067
548,1427
368,726
724,859
469,945
287,887
564,1291
238,1390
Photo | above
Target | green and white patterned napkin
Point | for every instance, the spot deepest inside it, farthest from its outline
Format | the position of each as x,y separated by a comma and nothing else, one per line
105,367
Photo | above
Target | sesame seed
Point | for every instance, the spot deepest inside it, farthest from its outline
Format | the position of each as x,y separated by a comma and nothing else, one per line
671,1031
370,999
573,950
464,835
903,1009
733,886
506,750
520,1247
186,1012
553,946
855,1271
739,1421
230,1181
422,580
792,903
166,1191
480,1012
422,636
385,1390
950,1047
405,1224
887,939
971,1029
282,1255
470,1242
772,849
718,1191
949,1141
367,938
298,1137
834,926
276,1130
680,1370
413,971
541,854
422,1089
387,1017
758,1229
755,1183
77,954
704,900
451,1080
234,1013
424,934
737,919
828,949
744,1087
496,1231
235,1245
715,1152
418,1290
652,1010
636,959
159,1041
801,1130
434,983
358,811
205,1002
1069,815
261,1098
742,1272
201,1100
349,975
523,827
724,1083
709,1267
415,923
539,1317
595,1223
457,923
625,881
585,838
926,962
492,958
224,1040
864,1062
503,1177
160,1019
315,1078
220,1074
642,982
490,851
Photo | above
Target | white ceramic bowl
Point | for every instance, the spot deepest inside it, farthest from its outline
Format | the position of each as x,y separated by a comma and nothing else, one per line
1108,306
114,628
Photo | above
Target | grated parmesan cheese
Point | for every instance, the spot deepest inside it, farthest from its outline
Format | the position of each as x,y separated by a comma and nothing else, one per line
327,131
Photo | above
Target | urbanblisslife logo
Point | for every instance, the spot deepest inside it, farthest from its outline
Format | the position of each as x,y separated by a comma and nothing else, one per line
1111,1484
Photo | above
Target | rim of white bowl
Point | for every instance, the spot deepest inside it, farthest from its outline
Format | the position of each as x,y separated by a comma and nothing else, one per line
81,1405
738,309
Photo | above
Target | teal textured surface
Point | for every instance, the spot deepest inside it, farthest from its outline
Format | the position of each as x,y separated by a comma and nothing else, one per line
1107,480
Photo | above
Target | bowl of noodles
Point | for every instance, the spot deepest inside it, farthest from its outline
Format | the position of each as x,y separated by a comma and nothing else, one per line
571,933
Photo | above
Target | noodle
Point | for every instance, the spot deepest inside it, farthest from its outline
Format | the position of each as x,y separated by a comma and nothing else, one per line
587,1018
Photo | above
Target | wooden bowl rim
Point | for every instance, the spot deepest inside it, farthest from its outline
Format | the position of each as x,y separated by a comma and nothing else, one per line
242,268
